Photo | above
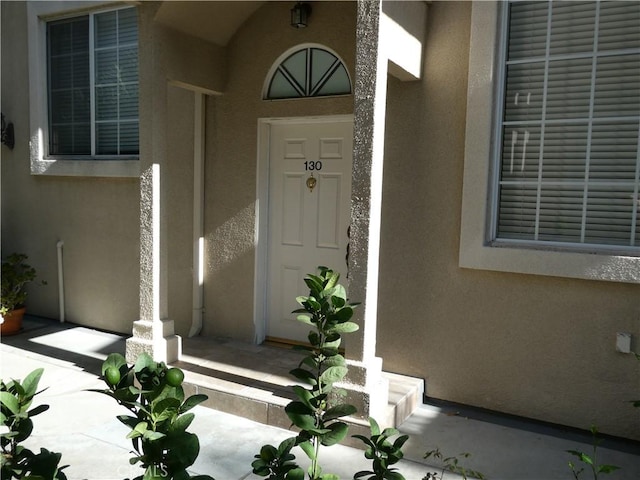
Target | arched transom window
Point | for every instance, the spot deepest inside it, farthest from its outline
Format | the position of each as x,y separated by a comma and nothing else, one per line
307,72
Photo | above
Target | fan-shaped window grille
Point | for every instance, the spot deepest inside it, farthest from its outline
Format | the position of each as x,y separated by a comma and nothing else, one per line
308,72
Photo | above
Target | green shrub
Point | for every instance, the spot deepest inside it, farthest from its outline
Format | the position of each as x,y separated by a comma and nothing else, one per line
159,415
16,415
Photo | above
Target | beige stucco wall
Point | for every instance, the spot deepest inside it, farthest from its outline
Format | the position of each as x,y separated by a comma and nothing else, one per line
231,167
97,219
536,346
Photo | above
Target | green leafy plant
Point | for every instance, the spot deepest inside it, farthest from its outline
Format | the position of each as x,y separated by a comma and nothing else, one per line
16,274
278,463
450,464
318,411
153,394
382,452
16,415
590,461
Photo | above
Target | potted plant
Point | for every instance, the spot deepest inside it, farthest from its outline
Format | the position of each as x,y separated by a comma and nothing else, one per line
16,274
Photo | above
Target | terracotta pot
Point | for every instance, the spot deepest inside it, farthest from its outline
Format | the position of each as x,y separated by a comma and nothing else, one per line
12,322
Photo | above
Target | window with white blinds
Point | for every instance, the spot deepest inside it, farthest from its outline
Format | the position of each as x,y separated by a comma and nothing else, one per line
569,162
93,85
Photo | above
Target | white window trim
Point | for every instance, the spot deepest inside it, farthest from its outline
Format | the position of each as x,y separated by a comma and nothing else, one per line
287,54
475,250
38,13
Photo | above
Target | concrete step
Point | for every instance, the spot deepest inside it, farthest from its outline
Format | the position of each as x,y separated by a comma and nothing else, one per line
253,381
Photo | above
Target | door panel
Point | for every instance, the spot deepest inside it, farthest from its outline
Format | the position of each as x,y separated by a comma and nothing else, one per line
307,226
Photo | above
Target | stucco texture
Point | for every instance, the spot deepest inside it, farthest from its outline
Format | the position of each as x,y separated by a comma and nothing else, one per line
536,346
232,158
97,219
541,347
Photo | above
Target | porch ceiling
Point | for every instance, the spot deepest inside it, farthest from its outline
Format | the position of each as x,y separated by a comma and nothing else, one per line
213,21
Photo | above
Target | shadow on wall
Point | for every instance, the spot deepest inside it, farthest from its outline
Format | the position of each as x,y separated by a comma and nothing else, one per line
231,240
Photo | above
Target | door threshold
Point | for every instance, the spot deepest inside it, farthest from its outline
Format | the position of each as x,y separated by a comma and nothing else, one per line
287,343
282,342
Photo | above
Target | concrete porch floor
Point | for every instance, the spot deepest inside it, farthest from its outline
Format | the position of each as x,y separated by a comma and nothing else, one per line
246,385
253,381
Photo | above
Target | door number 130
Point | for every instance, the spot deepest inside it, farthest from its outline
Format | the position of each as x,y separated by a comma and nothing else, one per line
310,166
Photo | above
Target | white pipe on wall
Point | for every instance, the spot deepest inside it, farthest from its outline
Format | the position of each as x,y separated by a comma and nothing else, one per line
198,214
59,246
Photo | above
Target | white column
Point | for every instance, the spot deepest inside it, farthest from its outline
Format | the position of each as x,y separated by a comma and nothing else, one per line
366,388
153,333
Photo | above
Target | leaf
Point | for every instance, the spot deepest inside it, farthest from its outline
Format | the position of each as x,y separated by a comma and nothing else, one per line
182,475
128,420
365,440
192,401
24,429
143,361
115,360
10,402
313,305
152,436
38,410
375,428
126,395
184,451
338,411
307,447
304,395
389,432
44,465
332,278
304,376
329,352
344,314
181,423
300,415
314,283
330,476
269,453
333,374
389,475
607,468
164,402
138,430
338,302
295,474
286,445
362,474
400,441
338,432
582,456
332,341
346,327
30,383
311,362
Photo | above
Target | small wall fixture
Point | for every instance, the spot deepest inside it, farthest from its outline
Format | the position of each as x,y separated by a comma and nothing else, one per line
7,133
300,14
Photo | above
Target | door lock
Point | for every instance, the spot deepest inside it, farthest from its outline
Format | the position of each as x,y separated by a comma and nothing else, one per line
311,183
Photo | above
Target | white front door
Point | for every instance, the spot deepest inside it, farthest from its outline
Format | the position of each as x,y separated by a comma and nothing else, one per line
309,213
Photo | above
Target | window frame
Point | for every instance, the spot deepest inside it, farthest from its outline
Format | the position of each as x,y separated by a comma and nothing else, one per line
41,163
478,250
295,50
497,157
